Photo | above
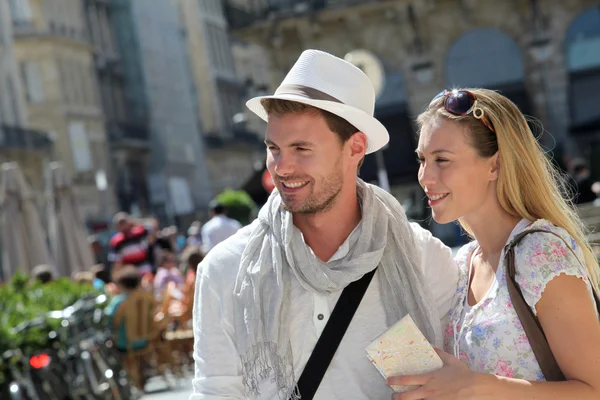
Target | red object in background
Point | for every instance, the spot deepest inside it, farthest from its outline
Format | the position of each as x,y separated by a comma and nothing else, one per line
267,181
39,361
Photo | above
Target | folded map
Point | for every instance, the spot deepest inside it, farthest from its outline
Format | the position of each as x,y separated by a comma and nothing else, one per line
403,350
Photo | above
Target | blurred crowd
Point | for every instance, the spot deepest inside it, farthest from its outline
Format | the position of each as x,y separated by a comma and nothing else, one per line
144,257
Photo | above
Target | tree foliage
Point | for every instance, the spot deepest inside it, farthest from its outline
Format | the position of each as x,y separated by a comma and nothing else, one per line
239,204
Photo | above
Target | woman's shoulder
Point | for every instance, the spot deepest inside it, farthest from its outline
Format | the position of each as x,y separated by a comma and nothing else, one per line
547,237
542,256
462,255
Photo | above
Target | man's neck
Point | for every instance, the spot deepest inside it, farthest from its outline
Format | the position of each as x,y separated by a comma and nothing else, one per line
325,232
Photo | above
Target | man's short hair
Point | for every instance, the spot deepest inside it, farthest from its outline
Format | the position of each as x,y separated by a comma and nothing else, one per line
101,272
216,207
338,125
128,277
43,273
165,255
192,257
120,217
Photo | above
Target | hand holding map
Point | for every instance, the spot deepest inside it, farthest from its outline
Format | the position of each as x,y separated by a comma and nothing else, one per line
403,350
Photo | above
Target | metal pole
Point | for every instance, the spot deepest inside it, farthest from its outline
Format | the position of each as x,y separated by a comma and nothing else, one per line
382,175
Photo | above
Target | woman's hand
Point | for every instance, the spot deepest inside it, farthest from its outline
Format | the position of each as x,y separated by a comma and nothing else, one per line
450,382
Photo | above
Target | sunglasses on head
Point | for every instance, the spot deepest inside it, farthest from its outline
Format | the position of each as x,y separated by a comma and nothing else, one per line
461,103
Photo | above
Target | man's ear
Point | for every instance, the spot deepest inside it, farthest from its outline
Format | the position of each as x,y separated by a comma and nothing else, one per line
358,146
494,166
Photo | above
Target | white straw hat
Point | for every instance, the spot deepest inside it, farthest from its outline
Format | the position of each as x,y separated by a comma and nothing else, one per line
327,82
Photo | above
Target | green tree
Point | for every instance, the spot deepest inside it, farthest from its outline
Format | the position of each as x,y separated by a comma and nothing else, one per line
239,205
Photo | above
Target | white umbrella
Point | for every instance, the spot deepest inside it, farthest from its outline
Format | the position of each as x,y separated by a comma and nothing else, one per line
68,235
23,238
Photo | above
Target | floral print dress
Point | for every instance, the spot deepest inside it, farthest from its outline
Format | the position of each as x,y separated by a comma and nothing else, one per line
489,336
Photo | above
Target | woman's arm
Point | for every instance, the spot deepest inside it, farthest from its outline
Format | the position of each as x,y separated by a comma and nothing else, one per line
568,317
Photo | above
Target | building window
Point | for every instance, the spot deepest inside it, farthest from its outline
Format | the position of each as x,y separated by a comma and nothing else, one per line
33,81
105,31
64,81
16,117
20,11
107,99
80,147
120,101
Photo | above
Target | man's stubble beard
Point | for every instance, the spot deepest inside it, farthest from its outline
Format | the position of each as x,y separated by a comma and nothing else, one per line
325,199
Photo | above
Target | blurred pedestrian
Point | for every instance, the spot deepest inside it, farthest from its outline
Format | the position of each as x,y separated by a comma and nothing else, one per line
219,227
158,240
128,281
194,234
130,244
168,271
43,273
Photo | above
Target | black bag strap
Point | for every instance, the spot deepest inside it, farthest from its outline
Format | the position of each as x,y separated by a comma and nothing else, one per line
531,324
332,335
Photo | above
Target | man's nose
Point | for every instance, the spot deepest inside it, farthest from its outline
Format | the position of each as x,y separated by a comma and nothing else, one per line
284,164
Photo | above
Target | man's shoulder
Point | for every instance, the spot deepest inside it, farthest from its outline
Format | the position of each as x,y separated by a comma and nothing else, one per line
210,224
433,250
421,234
224,259
234,223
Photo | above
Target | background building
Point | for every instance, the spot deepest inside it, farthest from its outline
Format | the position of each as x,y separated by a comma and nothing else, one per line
56,69
128,133
544,55
160,90
233,144
31,149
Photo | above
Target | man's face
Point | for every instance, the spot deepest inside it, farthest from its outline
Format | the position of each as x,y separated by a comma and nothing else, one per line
123,226
307,161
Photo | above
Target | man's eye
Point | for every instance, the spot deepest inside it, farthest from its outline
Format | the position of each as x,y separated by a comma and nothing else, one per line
420,160
302,149
441,160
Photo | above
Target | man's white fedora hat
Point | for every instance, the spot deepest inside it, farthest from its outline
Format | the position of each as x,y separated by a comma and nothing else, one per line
327,82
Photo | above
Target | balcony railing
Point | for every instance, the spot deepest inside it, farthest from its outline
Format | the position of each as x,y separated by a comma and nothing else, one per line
118,132
23,28
239,16
14,137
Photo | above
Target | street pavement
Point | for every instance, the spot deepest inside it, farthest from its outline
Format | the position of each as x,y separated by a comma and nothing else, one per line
157,389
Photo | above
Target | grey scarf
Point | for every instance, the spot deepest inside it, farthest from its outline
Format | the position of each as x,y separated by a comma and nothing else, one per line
276,250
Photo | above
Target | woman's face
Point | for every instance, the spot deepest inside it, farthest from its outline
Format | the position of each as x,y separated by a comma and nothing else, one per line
457,181
169,261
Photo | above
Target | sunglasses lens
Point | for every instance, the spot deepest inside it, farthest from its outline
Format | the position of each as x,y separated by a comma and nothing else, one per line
459,103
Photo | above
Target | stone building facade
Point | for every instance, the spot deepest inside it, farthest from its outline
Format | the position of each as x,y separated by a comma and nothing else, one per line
231,139
543,54
31,149
55,63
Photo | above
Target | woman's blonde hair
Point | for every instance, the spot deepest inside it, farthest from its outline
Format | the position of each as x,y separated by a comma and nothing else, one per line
528,184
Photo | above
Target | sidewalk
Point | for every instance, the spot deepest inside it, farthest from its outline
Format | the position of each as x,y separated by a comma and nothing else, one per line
156,389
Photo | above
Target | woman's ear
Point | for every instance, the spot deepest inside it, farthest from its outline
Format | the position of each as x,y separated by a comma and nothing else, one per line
494,166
